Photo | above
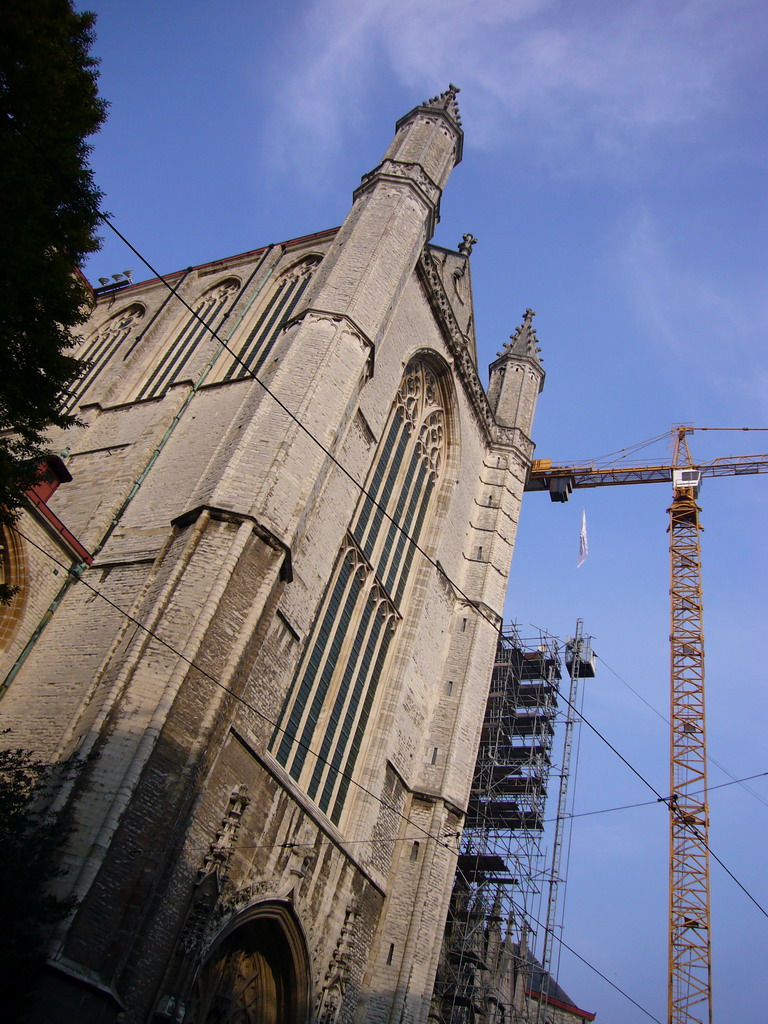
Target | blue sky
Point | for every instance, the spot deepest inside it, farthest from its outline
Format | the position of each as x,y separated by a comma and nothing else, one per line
614,173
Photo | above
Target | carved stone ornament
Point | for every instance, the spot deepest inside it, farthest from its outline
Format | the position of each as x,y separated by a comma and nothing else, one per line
101,346
349,326
220,850
402,170
212,910
254,892
457,343
431,442
223,290
465,367
337,975
300,859
331,999
420,400
398,173
466,245
203,910
212,875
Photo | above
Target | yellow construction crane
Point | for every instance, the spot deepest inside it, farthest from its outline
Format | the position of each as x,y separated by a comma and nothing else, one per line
690,960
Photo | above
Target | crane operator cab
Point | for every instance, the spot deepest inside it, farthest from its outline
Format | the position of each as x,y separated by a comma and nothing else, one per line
687,478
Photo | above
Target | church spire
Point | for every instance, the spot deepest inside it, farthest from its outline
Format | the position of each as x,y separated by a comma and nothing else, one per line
517,377
426,147
447,101
523,343
395,209
431,113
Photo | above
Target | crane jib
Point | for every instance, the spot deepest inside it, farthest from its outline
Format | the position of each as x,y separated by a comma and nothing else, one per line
689,997
560,480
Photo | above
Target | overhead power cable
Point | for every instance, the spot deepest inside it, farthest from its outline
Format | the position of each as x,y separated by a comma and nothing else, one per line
439,840
661,799
241,700
592,967
435,564
361,487
664,719
652,803
673,808
214,333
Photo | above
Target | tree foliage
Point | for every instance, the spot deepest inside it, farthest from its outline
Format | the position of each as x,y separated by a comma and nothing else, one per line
30,843
49,106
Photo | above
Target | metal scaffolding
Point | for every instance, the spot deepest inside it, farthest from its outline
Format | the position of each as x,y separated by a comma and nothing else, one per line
488,967
501,863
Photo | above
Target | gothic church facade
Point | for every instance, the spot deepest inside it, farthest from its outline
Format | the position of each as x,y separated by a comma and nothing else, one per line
263,612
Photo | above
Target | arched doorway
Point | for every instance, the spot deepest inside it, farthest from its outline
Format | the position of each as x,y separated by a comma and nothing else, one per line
257,972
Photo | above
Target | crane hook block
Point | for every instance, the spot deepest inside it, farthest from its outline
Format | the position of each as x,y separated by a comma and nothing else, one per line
560,488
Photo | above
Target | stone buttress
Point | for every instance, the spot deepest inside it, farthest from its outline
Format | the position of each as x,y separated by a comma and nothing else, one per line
275,691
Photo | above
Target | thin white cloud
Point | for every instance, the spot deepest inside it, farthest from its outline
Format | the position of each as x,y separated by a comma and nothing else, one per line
600,76
710,329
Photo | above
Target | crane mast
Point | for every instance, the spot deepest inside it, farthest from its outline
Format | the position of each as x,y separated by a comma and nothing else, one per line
690,954
690,966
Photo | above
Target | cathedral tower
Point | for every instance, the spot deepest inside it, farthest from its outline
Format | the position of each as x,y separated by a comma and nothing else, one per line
290,522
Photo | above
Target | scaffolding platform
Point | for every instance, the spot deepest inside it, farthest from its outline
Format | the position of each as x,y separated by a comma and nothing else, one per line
500,814
506,779
536,695
510,752
501,856
473,864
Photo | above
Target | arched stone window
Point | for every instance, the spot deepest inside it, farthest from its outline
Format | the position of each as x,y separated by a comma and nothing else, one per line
195,330
13,573
257,973
283,301
324,718
101,346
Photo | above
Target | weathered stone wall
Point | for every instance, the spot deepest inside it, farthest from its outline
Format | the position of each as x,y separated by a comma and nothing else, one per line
37,563
216,511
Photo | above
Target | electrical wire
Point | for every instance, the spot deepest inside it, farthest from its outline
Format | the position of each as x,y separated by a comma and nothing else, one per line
438,840
241,700
664,719
425,832
214,333
448,835
435,564
361,487
599,973
661,799
652,803
673,809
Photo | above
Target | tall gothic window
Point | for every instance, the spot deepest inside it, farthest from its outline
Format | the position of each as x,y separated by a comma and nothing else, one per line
101,347
195,330
324,718
281,306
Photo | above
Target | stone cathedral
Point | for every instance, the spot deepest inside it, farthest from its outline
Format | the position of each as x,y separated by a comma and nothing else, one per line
259,595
